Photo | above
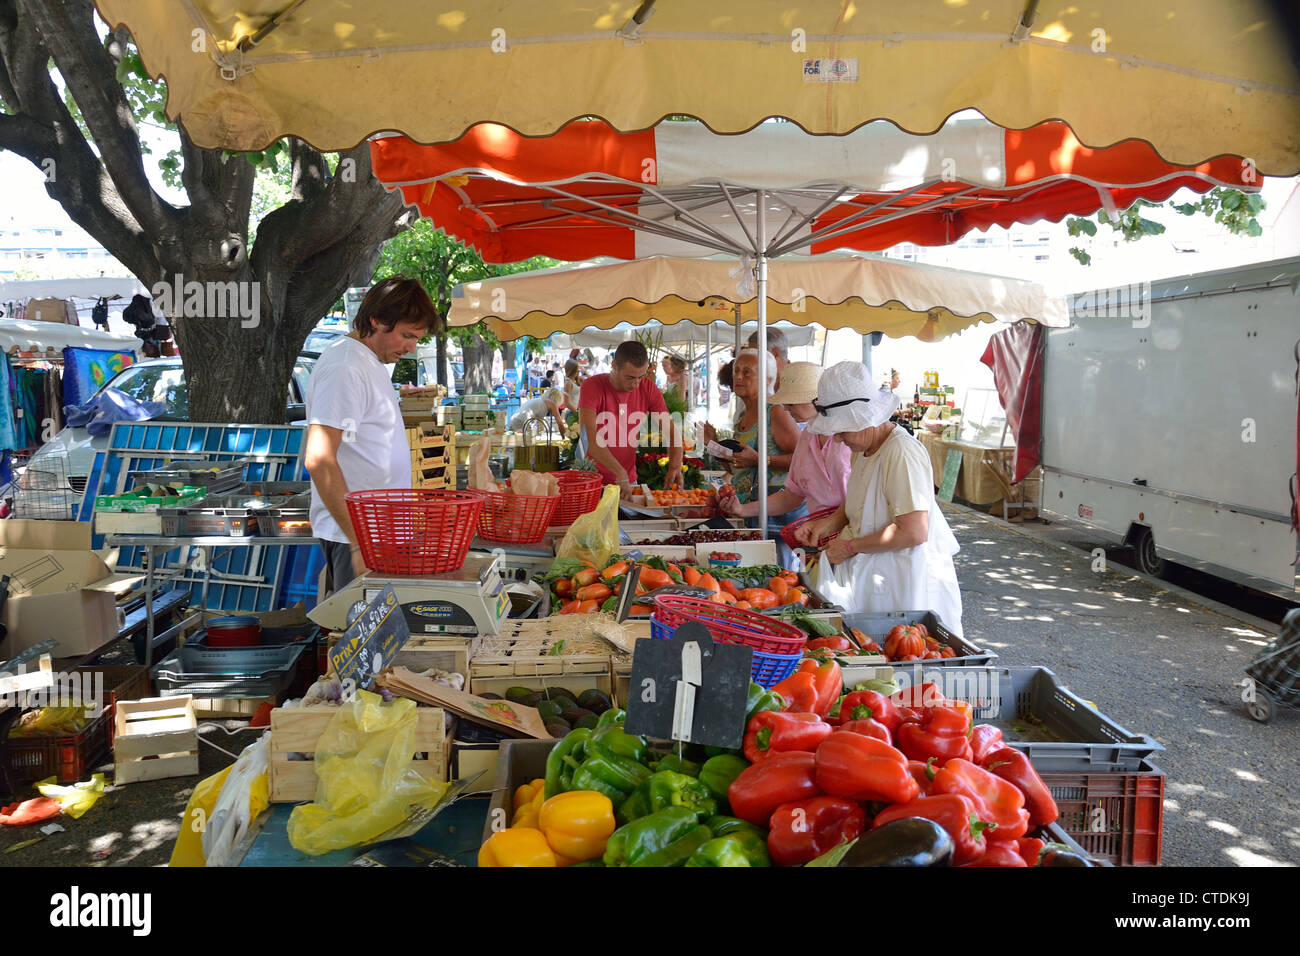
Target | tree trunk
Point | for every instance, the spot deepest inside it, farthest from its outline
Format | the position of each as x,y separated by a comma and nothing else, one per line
478,368
442,366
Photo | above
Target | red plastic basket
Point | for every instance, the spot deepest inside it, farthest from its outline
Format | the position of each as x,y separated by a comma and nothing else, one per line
730,625
579,494
787,533
516,519
414,531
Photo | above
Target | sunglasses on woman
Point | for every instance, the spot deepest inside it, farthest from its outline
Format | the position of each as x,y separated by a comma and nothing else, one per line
826,409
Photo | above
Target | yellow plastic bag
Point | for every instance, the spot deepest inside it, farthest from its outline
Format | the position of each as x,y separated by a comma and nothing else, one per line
77,798
594,536
365,781
188,849
53,721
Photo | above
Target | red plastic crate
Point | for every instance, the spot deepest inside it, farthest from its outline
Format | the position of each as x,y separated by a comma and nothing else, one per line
69,758
414,531
1117,816
121,682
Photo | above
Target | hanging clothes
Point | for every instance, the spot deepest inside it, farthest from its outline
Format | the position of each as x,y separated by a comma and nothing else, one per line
8,433
53,406
86,370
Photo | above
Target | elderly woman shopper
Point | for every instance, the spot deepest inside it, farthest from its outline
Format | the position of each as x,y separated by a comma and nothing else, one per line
894,550
819,467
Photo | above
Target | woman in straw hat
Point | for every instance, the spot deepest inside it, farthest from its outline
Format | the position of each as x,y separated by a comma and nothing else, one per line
819,467
894,550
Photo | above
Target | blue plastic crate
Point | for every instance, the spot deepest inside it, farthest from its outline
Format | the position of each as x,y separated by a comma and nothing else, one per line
766,669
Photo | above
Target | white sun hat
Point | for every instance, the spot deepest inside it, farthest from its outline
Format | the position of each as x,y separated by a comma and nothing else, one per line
848,401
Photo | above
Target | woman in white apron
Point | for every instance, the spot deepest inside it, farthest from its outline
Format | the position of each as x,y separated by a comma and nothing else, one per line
894,550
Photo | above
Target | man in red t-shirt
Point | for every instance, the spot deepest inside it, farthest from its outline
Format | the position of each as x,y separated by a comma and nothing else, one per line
613,407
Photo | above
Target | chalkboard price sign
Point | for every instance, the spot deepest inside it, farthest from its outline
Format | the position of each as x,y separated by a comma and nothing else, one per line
371,642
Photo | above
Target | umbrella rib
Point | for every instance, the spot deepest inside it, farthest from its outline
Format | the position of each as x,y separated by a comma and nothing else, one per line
853,222
786,233
699,224
736,212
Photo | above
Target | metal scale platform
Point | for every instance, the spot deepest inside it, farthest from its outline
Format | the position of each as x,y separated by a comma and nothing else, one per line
463,603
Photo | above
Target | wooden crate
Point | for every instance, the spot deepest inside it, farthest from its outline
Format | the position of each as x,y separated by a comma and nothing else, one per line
451,654
229,708
154,739
434,435
521,655
297,729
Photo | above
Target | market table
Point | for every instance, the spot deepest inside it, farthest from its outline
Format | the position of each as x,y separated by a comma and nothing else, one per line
985,467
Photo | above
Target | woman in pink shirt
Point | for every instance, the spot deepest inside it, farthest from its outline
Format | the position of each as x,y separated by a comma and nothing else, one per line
819,468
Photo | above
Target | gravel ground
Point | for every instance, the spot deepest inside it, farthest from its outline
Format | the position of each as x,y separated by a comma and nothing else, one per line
1160,662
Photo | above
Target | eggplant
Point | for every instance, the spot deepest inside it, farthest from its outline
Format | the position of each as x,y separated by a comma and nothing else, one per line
1062,858
911,842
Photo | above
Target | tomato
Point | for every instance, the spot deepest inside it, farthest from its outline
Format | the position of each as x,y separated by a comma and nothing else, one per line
569,607
707,581
691,575
796,597
759,598
654,578
729,586
564,587
721,597
743,604
778,586
641,609
594,592
614,570
586,576
586,607
789,577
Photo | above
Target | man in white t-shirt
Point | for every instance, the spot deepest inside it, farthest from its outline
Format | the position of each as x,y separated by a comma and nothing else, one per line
356,440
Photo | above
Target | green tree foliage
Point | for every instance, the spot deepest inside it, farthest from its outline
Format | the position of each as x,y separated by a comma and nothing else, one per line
1230,208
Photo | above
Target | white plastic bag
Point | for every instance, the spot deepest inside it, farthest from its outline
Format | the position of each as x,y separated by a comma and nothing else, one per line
232,812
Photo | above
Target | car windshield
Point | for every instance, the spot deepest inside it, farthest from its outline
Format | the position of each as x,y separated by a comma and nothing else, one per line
318,339
156,383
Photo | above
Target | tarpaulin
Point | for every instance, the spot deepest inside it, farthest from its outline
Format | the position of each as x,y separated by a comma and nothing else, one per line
1016,357
86,370
98,415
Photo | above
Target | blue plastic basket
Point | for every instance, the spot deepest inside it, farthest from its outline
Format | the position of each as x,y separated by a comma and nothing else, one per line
766,669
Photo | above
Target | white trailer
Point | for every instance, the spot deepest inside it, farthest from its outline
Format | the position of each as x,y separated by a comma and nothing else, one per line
1169,422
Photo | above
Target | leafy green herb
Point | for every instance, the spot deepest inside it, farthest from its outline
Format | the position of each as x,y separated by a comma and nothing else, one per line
563,568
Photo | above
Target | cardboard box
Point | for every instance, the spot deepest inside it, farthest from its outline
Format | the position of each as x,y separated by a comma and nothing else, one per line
58,588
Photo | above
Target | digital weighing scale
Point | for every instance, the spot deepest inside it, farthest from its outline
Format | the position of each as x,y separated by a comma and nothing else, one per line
463,603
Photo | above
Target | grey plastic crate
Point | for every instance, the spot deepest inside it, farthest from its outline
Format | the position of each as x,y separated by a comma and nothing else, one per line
1050,724
878,625
283,520
226,672
232,515
228,476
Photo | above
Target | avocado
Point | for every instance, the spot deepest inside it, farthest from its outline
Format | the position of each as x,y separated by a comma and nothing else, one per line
490,696
516,695
564,703
548,709
532,700
596,701
557,728
555,693
575,714
588,722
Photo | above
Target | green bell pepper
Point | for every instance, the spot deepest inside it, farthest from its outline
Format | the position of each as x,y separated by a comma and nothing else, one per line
667,789
614,776
759,700
722,826
666,838
678,765
612,739
720,751
718,773
634,807
565,758
611,717
742,848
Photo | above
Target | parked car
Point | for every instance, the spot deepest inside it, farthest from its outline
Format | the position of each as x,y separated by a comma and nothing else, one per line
55,479
325,334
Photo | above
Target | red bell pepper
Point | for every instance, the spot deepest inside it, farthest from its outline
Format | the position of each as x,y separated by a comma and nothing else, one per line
1013,766
984,739
804,830
781,778
999,801
919,695
863,768
923,774
830,683
869,703
868,728
837,643
772,731
1029,849
799,691
940,733
955,813
999,854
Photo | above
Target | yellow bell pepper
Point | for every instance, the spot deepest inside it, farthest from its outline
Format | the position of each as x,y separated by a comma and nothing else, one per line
577,824
526,815
528,792
521,846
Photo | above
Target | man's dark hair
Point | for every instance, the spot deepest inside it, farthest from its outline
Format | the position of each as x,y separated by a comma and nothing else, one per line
392,300
631,353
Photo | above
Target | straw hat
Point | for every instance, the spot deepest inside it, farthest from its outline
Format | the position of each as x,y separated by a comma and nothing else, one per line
848,401
798,384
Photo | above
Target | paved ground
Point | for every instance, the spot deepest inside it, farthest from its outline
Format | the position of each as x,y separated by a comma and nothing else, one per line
1159,661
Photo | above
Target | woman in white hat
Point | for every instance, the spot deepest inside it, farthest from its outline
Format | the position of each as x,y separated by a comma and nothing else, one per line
819,467
894,550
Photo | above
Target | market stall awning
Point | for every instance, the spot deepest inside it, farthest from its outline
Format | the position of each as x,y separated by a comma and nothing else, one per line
681,189
684,337
51,338
1196,79
835,291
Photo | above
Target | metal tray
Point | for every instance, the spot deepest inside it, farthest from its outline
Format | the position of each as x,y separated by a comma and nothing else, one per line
878,625
227,672
230,515
291,518
1056,729
228,474
272,488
